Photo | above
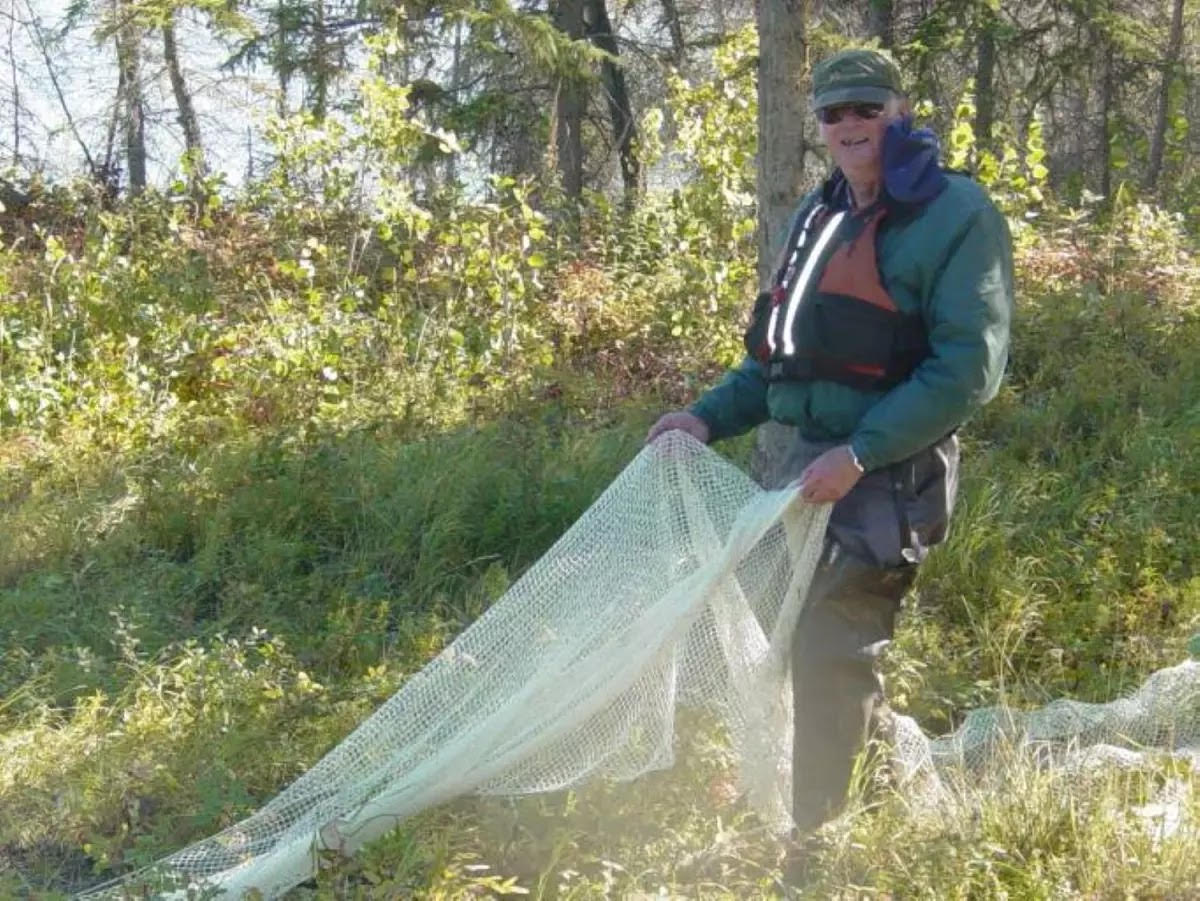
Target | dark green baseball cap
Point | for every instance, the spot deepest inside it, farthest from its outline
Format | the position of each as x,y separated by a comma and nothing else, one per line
855,76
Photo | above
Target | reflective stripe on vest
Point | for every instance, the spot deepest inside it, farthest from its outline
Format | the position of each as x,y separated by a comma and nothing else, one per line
796,292
789,269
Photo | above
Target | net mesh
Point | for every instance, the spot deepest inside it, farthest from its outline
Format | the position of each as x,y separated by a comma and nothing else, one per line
681,584
1162,716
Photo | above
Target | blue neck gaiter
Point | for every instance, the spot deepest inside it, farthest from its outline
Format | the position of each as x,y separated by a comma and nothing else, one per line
911,172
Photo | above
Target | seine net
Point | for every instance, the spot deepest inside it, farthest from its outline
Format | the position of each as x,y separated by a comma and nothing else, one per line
1161,717
679,585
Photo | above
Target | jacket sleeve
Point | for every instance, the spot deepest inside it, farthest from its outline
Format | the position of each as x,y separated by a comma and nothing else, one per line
737,403
967,314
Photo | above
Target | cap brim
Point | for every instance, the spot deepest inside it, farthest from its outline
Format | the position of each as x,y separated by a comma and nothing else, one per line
858,94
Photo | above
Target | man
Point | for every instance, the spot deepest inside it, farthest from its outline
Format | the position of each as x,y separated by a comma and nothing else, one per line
885,328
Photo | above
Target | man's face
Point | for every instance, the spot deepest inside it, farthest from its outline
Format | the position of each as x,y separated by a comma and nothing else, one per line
853,132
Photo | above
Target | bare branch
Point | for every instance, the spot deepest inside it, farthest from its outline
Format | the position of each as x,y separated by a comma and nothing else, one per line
36,30
16,86
183,100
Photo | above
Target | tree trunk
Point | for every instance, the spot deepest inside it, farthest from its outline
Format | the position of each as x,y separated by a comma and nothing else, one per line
570,106
675,29
320,68
599,31
1158,141
109,173
183,100
1103,146
133,111
282,57
16,87
881,22
457,79
782,115
985,82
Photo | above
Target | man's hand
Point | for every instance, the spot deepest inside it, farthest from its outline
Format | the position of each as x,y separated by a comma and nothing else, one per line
830,477
684,422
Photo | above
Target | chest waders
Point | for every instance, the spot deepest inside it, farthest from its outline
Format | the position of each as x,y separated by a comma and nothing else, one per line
828,316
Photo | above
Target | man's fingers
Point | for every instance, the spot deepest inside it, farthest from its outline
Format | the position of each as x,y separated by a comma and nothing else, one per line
679,421
814,488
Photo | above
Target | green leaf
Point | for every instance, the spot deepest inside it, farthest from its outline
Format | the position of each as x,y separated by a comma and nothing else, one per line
961,136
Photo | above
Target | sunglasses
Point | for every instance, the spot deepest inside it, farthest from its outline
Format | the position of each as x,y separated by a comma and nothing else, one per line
831,115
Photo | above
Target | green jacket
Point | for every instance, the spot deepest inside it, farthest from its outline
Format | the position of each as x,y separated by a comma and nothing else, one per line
951,261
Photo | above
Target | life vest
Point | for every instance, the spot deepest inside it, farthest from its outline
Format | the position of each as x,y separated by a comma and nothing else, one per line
828,315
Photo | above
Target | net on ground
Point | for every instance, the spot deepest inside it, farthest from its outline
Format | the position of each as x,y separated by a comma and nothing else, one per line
1161,717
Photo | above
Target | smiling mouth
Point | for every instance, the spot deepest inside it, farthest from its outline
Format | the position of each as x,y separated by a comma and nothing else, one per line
850,143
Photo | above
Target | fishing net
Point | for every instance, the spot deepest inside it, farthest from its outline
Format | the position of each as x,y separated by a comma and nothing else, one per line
1161,717
680,585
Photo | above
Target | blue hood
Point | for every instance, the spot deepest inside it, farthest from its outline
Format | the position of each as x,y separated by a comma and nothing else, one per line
911,172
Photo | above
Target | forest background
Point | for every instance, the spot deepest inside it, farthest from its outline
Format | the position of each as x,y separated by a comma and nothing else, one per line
272,433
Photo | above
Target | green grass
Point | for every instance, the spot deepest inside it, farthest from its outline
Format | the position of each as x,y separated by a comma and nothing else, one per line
333,545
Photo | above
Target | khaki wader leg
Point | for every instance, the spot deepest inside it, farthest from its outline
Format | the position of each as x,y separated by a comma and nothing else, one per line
877,535
847,622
